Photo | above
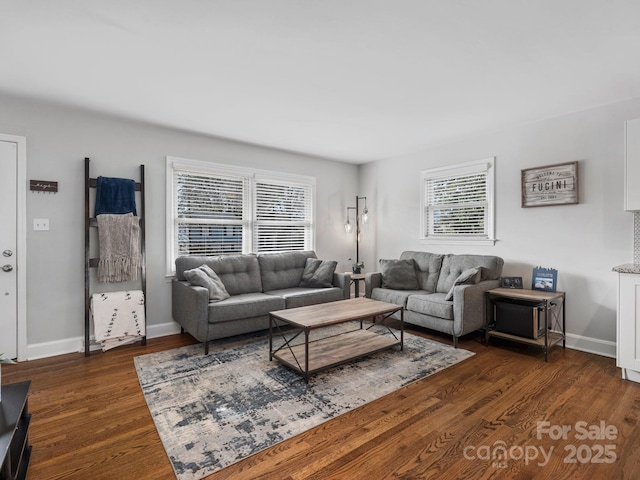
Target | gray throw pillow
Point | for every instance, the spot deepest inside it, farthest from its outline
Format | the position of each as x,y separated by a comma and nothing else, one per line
204,276
468,277
318,273
399,274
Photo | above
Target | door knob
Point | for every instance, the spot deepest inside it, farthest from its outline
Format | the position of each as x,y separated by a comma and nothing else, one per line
7,253
7,268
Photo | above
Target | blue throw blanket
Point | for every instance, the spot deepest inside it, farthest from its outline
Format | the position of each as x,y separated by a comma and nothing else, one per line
115,196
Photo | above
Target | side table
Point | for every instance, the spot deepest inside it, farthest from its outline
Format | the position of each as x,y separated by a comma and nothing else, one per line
537,298
356,278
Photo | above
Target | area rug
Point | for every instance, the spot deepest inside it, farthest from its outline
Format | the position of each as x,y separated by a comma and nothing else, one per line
214,410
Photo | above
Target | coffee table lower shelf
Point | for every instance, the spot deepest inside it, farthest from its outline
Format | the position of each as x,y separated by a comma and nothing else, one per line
331,351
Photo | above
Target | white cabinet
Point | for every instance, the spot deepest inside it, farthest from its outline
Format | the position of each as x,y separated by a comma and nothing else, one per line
628,329
632,165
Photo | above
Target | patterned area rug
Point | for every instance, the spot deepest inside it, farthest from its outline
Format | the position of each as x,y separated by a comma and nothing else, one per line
212,411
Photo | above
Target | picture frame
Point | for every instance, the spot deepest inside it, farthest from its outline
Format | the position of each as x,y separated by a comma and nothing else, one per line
544,279
511,282
550,185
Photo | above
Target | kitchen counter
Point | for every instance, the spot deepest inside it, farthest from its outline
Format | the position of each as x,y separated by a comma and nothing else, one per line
628,268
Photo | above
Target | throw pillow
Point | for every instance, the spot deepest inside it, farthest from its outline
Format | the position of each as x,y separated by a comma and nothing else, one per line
399,274
204,276
220,290
468,277
318,273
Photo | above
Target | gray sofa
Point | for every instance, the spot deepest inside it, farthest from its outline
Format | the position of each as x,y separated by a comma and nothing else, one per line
256,285
440,292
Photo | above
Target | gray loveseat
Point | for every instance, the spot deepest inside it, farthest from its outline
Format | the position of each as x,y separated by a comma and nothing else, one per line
441,292
255,284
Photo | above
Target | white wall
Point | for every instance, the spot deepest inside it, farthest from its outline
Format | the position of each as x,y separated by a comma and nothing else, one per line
58,139
582,241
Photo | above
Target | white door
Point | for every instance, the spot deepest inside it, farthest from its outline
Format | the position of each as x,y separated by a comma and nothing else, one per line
8,249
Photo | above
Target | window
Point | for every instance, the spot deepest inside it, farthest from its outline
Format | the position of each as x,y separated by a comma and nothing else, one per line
209,213
282,220
222,210
457,203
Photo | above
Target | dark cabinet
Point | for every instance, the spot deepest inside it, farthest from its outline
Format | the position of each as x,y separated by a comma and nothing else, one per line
14,431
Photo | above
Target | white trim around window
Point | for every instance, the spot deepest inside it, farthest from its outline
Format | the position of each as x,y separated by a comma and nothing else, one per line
457,204
250,210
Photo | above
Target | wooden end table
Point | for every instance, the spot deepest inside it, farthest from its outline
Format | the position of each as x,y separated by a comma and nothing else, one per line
535,298
356,278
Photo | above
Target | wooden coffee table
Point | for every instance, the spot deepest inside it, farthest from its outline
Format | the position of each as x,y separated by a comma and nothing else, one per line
326,351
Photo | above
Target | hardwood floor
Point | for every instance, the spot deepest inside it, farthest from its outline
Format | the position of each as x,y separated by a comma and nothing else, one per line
90,420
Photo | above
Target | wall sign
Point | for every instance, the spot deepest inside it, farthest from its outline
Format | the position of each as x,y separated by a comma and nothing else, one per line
550,185
43,186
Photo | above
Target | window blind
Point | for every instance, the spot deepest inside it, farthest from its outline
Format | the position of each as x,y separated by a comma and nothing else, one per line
213,197
210,213
283,216
456,205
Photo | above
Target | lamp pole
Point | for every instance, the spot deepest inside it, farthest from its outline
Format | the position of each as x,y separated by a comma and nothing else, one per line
365,217
358,229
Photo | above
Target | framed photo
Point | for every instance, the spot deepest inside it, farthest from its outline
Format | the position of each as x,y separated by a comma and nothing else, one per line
550,185
544,279
511,282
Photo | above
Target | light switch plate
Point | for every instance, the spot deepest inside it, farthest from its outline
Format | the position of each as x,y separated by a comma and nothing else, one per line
41,224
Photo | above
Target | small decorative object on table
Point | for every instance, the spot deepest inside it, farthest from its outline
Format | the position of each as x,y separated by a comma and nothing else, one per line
3,360
357,267
544,279
511,282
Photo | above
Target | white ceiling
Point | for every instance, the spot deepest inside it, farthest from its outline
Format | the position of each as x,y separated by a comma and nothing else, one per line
352,80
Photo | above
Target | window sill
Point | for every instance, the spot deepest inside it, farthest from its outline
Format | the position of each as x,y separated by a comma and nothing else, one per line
458,241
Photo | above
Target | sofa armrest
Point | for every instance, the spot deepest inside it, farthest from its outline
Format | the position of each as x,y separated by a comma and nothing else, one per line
372,280
189,307
343,281
469,306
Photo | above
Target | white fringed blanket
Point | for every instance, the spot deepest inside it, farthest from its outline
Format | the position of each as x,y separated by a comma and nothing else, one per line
118,318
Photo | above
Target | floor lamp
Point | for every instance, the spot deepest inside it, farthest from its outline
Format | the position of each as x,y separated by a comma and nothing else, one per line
360,219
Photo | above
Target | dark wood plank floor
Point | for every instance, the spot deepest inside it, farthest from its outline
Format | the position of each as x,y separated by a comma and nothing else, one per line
475,420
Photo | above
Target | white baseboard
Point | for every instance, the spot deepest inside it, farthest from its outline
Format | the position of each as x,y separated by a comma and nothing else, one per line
162,330
591,345
76,344
57,347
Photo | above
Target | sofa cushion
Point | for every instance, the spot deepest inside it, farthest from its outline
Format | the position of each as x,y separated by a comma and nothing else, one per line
301,297
283,269
397,297
203,276
318,273
433,304
239,273
454,265
399,274
428,267
244,305
468,277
